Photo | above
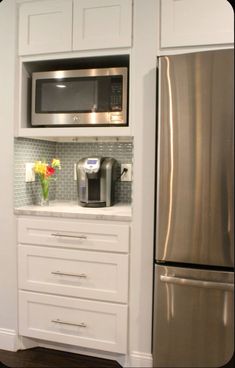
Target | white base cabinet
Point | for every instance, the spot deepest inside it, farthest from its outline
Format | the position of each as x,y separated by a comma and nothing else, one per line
73,281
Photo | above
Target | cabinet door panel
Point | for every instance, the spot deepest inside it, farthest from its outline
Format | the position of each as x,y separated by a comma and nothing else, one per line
45,26
102,24
196,22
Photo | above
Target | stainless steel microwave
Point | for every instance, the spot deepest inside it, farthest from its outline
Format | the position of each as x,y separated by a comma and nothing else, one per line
87,97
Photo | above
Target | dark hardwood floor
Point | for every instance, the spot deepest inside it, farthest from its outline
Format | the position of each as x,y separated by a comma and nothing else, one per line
48,358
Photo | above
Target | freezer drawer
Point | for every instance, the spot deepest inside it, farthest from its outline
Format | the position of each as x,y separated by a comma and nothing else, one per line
193,317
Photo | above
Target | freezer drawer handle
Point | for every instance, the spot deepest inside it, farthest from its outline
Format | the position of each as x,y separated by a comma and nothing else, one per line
82,324
197,283
69,236
81,275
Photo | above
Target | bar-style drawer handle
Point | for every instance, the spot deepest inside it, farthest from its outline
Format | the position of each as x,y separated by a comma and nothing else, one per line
80,275
198,283
82,324
69,236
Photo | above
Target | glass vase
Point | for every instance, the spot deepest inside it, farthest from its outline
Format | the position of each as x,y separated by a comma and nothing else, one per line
44,192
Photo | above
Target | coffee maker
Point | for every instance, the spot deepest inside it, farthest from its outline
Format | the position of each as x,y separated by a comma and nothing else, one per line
95,180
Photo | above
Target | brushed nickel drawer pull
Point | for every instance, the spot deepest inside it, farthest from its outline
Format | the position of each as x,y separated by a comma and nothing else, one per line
82,324
81,275
69,236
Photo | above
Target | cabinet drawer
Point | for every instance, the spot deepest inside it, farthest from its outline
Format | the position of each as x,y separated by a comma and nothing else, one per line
74,234
90,324
77,273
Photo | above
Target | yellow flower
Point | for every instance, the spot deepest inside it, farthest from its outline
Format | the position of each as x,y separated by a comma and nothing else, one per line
56,163
40,168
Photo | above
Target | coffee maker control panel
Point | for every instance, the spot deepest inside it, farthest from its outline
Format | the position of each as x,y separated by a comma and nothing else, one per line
92,165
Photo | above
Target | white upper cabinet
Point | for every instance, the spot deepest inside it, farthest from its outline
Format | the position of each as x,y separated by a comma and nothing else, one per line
66,25
45,26
101,24
195,22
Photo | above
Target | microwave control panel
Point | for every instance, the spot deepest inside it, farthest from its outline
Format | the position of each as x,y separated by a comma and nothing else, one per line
116,94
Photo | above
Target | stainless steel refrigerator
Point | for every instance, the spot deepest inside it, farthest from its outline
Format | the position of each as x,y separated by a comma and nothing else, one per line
194,260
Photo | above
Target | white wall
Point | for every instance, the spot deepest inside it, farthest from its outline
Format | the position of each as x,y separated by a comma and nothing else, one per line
8,289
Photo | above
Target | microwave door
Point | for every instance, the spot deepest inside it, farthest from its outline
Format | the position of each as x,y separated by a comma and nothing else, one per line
72,101
71,95
82,97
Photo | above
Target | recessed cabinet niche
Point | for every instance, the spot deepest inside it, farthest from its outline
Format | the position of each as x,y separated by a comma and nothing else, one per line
26,68
66,25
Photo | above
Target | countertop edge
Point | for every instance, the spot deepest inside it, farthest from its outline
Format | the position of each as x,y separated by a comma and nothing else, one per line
60,214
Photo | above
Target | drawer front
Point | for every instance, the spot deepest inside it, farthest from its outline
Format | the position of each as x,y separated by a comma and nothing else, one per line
84,323
74,234
77,273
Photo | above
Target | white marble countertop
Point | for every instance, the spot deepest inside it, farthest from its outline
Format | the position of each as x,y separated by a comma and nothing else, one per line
67,209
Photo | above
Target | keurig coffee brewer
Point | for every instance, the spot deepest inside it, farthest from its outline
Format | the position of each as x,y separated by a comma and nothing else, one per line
95,180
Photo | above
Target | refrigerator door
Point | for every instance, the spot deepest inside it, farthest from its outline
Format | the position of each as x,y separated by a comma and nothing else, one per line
195,159
193,318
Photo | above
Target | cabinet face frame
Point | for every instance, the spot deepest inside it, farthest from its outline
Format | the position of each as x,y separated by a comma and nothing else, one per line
45,26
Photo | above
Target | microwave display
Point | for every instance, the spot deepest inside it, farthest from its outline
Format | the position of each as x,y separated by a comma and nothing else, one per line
80,97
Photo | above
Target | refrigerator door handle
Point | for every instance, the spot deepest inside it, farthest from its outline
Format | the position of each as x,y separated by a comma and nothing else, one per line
197,283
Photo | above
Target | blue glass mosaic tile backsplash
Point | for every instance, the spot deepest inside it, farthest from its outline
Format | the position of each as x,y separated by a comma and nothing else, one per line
65,187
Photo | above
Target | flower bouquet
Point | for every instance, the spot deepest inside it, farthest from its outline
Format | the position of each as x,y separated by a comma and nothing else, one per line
45,172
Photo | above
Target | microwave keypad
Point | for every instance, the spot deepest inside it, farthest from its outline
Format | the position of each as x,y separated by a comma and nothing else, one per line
116,96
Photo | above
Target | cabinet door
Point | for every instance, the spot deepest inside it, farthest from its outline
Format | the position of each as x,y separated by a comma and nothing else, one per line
196,22
45,26
102,24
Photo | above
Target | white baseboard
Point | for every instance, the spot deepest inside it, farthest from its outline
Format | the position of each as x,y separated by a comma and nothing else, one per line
26,343
8,339
138,359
